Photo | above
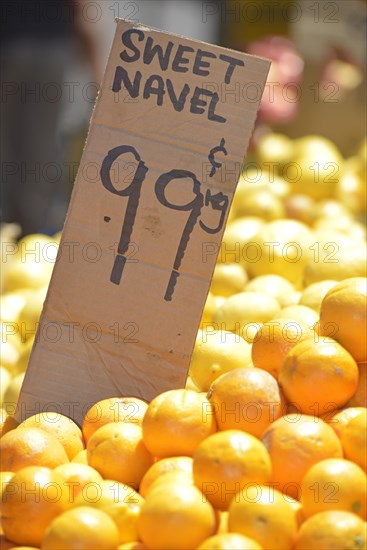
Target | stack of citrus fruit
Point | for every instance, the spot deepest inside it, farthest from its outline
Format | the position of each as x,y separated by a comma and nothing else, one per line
266,446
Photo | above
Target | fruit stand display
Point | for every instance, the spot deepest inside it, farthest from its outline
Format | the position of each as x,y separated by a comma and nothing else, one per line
266,445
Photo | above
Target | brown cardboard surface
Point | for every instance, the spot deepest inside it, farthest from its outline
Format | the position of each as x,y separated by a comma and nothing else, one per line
145,221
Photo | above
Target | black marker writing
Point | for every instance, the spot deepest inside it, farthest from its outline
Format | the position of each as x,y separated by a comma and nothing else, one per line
133,192
195,206
217,201
213,162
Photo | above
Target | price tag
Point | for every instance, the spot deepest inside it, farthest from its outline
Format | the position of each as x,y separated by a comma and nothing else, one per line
158,173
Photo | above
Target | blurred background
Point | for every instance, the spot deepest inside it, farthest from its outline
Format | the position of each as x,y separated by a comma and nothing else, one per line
53,55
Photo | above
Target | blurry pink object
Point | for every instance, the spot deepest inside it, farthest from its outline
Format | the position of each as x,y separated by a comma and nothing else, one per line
282,92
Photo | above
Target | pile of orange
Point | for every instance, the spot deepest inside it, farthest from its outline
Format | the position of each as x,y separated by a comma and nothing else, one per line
266,446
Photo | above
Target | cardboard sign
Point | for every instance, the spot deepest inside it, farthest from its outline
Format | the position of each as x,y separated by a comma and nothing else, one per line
155,183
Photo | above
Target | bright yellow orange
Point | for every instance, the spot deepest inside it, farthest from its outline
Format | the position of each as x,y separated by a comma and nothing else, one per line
244,308
354,439
345,307
77,476
216,352
177,518
81,457
274,285
261,203
61,427
318,375
31,500
81,528
117,451
30,447
334,484
295,442
263,514
300,313
332,529
229,541
359,398
245,399
121,502
349,258
126,517
340,419
113,409
226,462
228,279
275,339
163,466
313,294
300,207
176,422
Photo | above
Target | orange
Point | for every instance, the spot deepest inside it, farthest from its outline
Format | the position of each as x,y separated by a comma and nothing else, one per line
341,418
120,502
260,203
298,312
228,279
359,399
175,518
117,451
345,307
31,499
342,257
100,494
216,352
297,508
262,513
226,462
4,478
244,308
274,340
169,478
113,409
135,545
295,442
300,207
81,528
229,541
77,476
334,484
30,447
333,529
163,466
276,286
81,457
318,375
245,399
176,422
61,427
354,439
313,294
